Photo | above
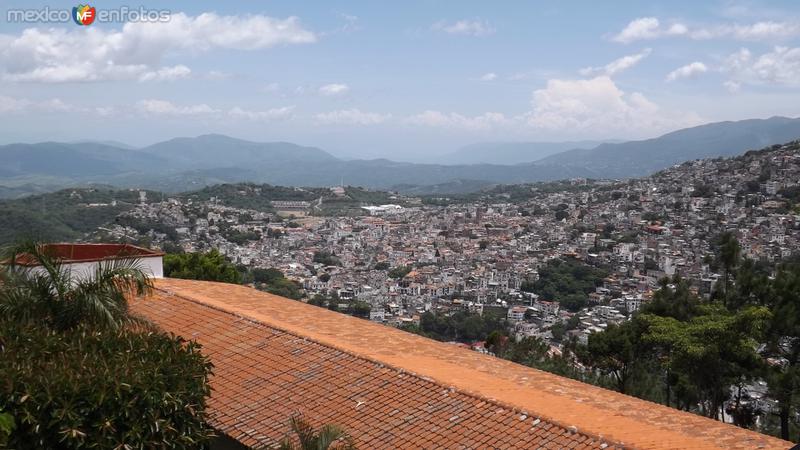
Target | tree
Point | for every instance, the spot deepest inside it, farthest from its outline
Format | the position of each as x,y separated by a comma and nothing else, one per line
399,272
82,388
211,266
567,282
307,438
52,296
783,343
615,351
530,351
497,343
326,258
728,254
80,372
360,309
673,299
709,353
7,425
266,275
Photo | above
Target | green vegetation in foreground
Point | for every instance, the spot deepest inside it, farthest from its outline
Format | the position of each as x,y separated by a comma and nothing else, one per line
80,372
307,438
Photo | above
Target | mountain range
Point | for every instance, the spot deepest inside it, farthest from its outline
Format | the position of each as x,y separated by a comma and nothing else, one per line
511,152
189,163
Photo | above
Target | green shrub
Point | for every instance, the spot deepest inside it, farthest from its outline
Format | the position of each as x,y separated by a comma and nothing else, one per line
93,389
211,266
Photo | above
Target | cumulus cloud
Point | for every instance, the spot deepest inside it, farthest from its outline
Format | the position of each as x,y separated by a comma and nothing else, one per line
157,107
597,106
333,89
11,105
165,108
166,74
491,76
136,51
645,28
780,66
352,117
474,27
282,113
438,119
618,65
688,71
732,86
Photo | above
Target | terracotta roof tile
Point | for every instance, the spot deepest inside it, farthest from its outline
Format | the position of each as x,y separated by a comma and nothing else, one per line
275,357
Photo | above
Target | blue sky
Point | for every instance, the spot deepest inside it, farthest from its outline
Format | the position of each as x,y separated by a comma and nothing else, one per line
403,80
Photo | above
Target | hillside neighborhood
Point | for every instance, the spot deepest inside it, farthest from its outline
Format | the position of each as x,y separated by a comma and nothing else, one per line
486,253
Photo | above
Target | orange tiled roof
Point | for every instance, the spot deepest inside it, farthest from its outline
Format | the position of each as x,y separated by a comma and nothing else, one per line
72,253
274,357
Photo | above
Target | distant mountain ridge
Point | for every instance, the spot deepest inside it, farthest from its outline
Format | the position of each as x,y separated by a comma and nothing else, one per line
184,164
215,151
639,158
512,152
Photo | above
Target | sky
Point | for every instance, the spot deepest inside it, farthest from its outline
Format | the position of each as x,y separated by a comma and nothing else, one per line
400,80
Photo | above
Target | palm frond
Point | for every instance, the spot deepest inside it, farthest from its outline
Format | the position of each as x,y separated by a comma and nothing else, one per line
49,292
329,435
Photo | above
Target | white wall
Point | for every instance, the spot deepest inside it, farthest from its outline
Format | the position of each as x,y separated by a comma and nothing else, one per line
152,265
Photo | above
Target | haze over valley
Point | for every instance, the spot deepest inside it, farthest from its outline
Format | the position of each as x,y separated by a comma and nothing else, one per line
182,164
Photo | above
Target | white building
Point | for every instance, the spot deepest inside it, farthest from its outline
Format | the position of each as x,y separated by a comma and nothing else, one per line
82,260
516,313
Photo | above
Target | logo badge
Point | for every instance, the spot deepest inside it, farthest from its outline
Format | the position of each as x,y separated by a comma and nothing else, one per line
83,14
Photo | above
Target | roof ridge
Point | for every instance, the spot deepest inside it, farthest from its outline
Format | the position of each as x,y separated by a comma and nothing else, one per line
605,443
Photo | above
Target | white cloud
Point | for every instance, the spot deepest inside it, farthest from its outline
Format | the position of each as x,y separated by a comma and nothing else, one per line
271,87
165,108
352,117
330,90
758,31
166,74
266,116
136,51
781,66
688,71
474,27
438,119
618,65
11,104
218,75
732,86
350,23
491,76
598,107
645,28
24,105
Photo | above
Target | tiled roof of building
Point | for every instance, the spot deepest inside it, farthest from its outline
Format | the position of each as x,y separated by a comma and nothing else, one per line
75,253
275,357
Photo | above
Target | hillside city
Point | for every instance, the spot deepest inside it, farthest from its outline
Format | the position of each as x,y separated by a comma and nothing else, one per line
398,260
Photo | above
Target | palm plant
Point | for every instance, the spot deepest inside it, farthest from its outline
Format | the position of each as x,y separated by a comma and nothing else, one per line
327,437
49,293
